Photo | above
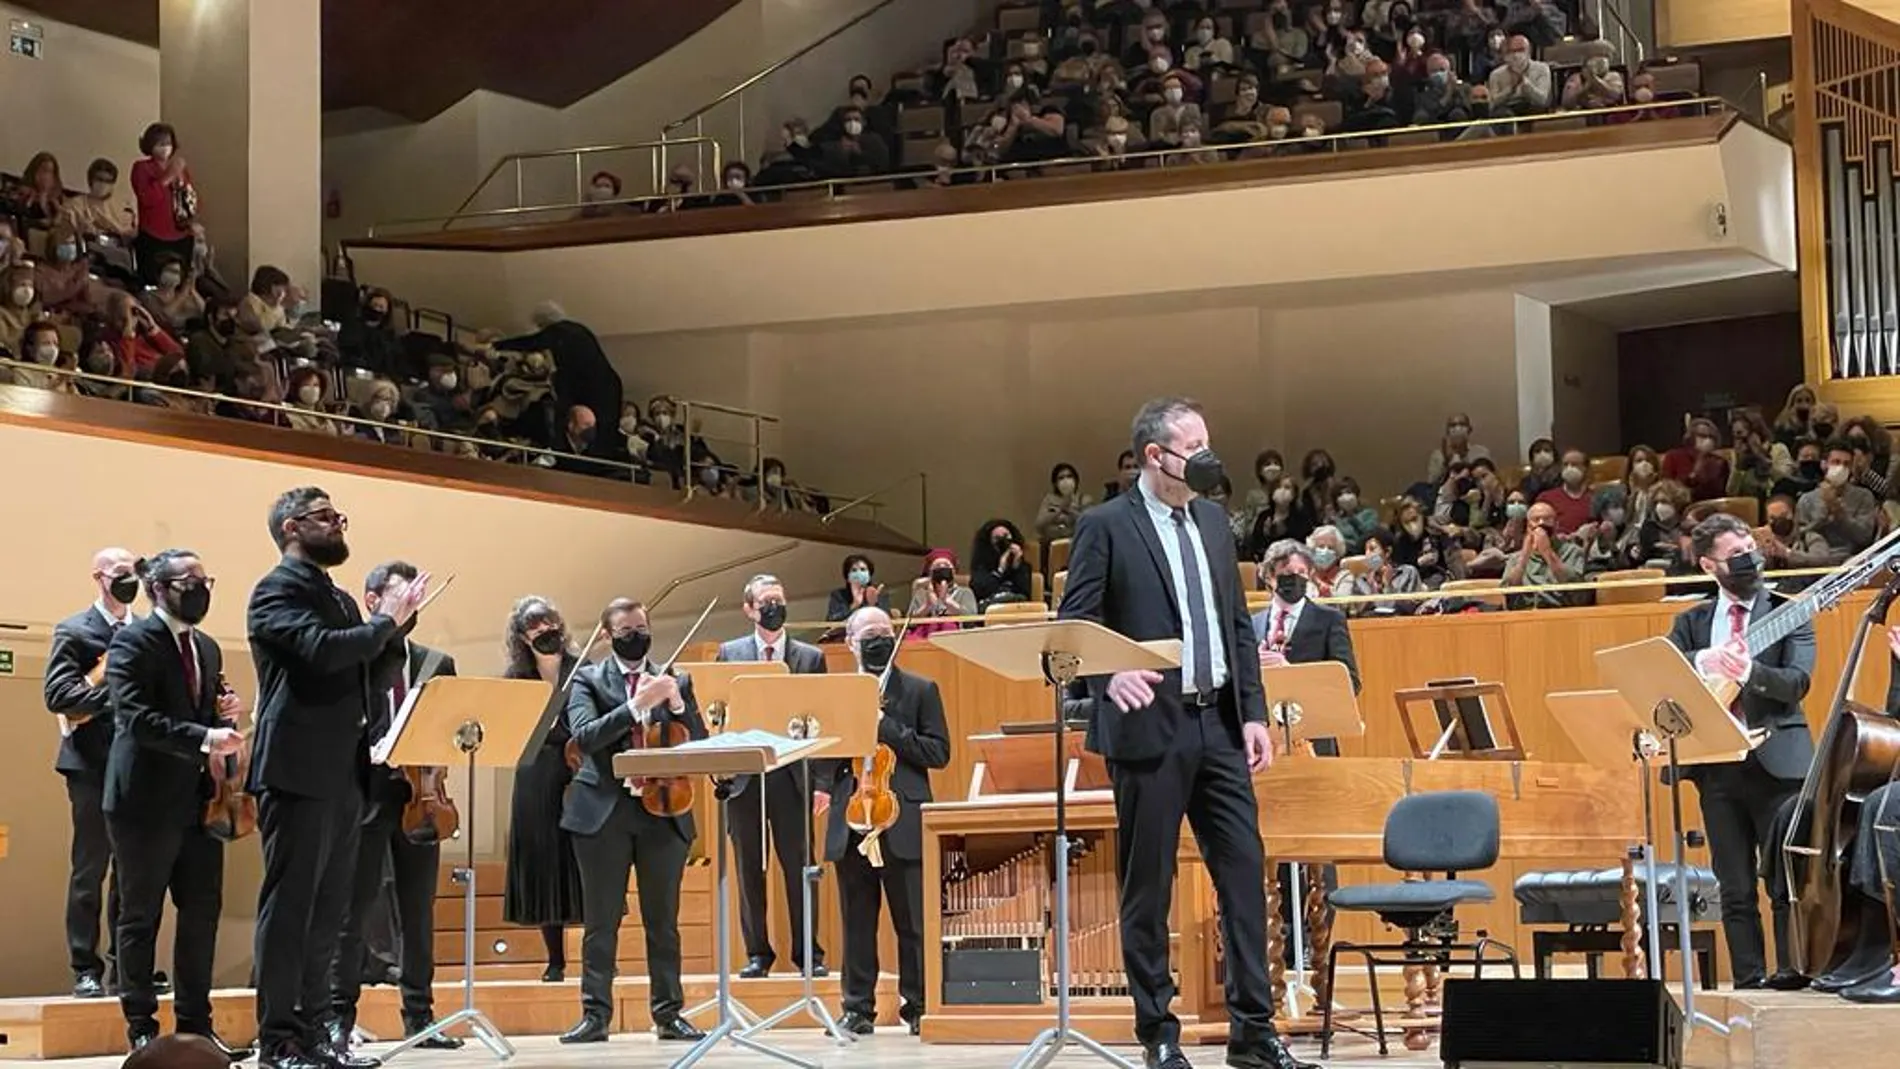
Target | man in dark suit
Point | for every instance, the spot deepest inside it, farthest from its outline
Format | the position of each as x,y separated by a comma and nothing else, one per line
76,693
913,726
1740,799
176,728
382,847
314,656
1159,563
609,709
787,808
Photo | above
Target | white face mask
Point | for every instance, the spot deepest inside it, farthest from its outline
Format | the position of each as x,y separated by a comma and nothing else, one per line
1157,33
1348,502
309,394
629,424
1014,82
380,409
663,421
1065,486
1283,496
23,295
853,127
1159,64
1277,131
45,354
1205,35
1665,512
1599,65
449,380
737,181
1518,60
1415,42
603,192
1643,469
1118,140
162,151
1356,47
1172,94
170,279
1836,474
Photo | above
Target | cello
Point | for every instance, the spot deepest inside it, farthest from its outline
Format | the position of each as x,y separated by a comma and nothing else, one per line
1856,754
872,809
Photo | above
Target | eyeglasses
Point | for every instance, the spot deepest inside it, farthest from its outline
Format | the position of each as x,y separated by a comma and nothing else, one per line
327,517
187,581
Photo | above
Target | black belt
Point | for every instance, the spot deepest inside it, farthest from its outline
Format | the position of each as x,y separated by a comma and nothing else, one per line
1205,699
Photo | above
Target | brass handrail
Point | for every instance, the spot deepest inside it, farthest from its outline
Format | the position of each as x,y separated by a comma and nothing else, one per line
516,158
1333,142
871,499
714,569
1623,28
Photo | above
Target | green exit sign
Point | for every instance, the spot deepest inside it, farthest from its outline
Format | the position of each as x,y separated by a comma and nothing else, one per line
6,662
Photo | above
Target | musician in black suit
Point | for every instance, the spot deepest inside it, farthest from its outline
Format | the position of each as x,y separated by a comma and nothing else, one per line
174,720
609,709
787,805
1870,974
382,847
314,655
76,692
913,726
1158,563
1740,799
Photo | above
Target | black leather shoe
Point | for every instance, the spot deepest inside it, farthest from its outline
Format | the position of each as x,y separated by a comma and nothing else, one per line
338,1032
678,1030
1164,1056
857,1023
1882,990
161,984
231,1054
1834,983
591,1029
339,1057
138,1038
1751,983
1269,1053
818,971
554,974
756,969
88,986
440,1041
288,1057
1786,980
915,1025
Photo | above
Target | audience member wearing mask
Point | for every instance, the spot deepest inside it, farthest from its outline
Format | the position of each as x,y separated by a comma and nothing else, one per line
999,565
1845,515
1081,69
1280,518
41,195
956,79
1355,518
781,493
1522,85
1037,131
1642,469
1760,461
444,404
1318,492
1409,66
1662,538
1791,425
1597,85
1455,445
1382,575
1442,97
1055,516
1497,545
796,159
1487,59
1806,472
64,279
174,302
1165,123
209,350
39,346
1152,35
1823,423
856,151
372,342
167,201
938,594
1544,474
860,591
383,407
1208,49
1327,547
1785,546
1419,544
98,215
96,358
19,307
305,394
1126,472
1150,89
1604,539
1114,142
1373,108
582,373
1277,44
1268,466
1569,500
1194,151
1696,463
1483,498
602,190
141,347
1294,629
1247,118
735,183
261,312
1873,455
1346,73
1468,31
1545,559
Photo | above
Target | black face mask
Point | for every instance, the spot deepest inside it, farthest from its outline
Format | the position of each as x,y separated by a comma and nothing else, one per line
943,575
1810,470
632,647
125,589
1741,574
1001,542
583,437
875,652
373,318
1782,526
190,604
772,615
1824,431
1321,471
547,643
1289,588
1202,472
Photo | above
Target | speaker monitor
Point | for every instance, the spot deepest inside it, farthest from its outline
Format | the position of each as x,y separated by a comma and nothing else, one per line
1559,1023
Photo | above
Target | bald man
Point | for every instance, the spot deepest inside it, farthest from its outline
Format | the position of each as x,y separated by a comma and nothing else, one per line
76,694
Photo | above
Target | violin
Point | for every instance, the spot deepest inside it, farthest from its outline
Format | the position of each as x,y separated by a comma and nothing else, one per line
872,810
665,797
429,817
231,814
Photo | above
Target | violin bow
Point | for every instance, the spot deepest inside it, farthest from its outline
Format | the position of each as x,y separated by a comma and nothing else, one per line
667,669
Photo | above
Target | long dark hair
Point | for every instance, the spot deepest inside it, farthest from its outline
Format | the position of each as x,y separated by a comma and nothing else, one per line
528,612
984,555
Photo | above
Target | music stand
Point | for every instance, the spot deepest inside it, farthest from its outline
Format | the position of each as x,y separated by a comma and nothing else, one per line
473,722
1663,688
1462,710
723,757
1058,653
712,688
843,708
1308,701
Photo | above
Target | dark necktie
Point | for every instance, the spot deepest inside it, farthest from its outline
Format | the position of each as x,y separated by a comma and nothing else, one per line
768,652
1202,641
396,695
1737,625
191,665
1277,641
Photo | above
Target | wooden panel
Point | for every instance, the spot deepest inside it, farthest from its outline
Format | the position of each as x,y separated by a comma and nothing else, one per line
1680,23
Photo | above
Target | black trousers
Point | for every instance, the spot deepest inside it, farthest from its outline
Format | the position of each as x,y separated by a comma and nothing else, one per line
91,858
902,883
1739,807
635,842
154,859
1204,777
787,813
309,869
381,848
382,932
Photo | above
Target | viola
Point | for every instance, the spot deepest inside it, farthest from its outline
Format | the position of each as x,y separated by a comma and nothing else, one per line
429,817
231,814
668,796
872,809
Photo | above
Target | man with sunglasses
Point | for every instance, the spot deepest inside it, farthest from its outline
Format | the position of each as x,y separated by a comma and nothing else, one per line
317,687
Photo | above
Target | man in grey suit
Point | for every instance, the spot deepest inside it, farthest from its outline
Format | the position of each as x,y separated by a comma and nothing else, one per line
787,798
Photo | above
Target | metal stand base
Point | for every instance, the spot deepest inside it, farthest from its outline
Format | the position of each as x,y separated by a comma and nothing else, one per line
1690,1014
1059,670
728,1028
484,1030
808,1001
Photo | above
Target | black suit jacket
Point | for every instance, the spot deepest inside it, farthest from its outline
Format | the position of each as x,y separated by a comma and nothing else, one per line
1319,634
314,656
78,643
602,724
1771,699
398,661
1118,577
158,773
913,726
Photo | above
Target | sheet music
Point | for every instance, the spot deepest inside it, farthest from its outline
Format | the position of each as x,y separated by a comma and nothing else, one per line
780,745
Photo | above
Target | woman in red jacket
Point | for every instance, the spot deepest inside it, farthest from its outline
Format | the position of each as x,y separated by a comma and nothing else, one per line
167,201
140,345
1696,464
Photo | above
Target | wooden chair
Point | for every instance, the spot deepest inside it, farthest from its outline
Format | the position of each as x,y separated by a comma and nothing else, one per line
1018,19
1476,589
1609,469
1016,612
1630,595
1059,555
1746,509
1036,587
1355,564
1249,575
1058,585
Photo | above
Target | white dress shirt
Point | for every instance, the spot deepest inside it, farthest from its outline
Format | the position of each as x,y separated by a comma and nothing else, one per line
777,646
1162,516
1721,631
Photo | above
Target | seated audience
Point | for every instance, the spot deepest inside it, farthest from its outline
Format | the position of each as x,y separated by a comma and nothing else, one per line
1873,456
382,406
1055,517
261,312
40,198
1597,85
306,391
371,340
39,347
1603,538
1545,559
1642,469
100,366
856,152
938,594
1569,500
1425,546
1372,108
1847,517
1522,85
1208,49
1355,519
167,200
1760,461
19,307
211,350
1696,463
1791,424
1248,118
781,493
174,301
1383,575
860,590
1662,535
1317,494
1195,154
602,191
143,348
64,280
1543,473
1175,112
1806,472
1785,546
1280,518
1327,547
1268,466
1293,629
999,565
104,226
1444,97
1126,472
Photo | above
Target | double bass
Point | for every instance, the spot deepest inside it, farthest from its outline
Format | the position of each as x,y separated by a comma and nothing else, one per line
1857,753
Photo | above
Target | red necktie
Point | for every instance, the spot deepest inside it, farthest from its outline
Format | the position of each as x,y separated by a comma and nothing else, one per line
768,653
396,694
1277,640
191,665
1737,624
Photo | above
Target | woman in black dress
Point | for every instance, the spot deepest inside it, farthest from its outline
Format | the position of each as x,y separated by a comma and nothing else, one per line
544,883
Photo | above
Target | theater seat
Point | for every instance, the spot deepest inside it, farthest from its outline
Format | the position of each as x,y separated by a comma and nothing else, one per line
1059,555
1630,595
1016,612
1745,509
1475,589
1609,469
1684,78
1061,584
